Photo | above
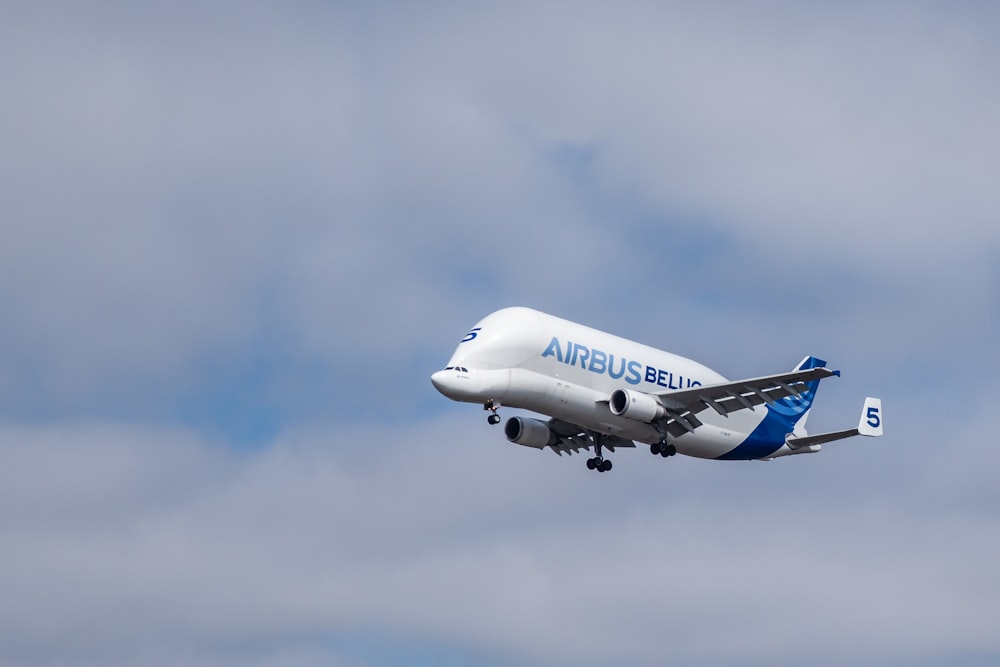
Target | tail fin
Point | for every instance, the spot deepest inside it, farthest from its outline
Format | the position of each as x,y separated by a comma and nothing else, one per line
797,409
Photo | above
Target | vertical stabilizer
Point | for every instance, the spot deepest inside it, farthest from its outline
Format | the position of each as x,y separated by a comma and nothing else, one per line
797,409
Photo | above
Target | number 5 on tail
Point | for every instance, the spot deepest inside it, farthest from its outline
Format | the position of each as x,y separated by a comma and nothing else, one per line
871,417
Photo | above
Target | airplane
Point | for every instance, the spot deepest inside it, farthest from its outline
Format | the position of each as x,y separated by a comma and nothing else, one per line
603,392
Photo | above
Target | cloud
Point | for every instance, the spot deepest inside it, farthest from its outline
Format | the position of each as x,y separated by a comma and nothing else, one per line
128,542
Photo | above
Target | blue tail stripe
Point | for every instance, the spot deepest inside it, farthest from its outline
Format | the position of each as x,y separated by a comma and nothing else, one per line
769,436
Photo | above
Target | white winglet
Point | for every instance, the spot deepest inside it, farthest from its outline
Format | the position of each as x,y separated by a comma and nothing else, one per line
871,417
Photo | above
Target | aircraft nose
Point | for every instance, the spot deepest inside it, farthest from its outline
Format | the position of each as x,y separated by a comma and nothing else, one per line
450,384
441,380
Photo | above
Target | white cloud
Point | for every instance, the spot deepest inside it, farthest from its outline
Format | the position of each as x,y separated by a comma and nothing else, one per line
134,540
181,194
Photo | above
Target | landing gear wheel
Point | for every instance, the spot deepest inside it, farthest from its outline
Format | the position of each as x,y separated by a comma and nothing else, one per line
669,450
599,463
654,448
492,406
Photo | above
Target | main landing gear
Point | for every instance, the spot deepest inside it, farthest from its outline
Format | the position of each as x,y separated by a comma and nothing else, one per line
492,406
662,448
598,463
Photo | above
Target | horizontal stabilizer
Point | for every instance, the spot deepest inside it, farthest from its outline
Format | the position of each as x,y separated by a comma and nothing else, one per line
869,425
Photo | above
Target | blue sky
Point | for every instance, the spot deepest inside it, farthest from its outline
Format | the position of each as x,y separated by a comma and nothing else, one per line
238,238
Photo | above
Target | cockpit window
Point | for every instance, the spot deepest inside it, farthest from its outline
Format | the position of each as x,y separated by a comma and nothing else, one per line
460,369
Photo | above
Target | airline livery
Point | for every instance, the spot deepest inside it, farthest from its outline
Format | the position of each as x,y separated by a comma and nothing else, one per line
602,392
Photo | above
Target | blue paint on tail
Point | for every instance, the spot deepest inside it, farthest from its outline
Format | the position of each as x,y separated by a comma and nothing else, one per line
781,418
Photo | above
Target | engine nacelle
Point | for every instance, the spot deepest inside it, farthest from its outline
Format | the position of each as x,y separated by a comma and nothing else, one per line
529,432
636,405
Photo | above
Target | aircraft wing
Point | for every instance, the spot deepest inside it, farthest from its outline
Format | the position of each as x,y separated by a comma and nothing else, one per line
683,405
573,438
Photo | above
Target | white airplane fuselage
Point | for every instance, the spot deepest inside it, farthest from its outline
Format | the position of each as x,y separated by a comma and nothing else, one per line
526,359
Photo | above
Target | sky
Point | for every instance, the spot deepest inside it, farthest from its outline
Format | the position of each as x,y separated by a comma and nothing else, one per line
239,237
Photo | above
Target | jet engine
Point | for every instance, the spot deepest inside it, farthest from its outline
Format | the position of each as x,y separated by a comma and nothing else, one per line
636,405
529,432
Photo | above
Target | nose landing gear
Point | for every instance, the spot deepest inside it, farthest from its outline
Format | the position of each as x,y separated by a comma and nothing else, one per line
492,406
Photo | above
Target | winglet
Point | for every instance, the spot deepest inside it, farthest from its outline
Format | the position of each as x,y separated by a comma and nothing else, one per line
871,418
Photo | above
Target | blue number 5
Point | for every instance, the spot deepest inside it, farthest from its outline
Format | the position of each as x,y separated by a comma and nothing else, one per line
873,418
